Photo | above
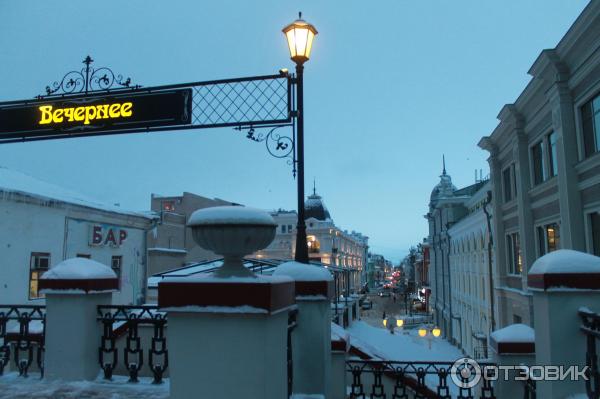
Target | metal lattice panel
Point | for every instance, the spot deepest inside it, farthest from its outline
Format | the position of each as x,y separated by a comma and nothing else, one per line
241,102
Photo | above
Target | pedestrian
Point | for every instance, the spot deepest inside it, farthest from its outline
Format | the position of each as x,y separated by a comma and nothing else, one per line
383,315
394,298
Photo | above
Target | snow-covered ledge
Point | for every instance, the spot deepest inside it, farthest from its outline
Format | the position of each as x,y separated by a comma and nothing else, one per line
513,345
562,282
236,320
74,288
311,339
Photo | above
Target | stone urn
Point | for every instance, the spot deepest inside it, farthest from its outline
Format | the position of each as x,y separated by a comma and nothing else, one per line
233,232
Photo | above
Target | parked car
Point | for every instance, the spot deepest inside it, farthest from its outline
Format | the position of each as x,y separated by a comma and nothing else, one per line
367,304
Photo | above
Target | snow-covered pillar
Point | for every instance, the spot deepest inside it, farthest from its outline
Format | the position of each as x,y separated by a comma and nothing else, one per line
228,330
513,345
339,348
74,288
311,340
562,282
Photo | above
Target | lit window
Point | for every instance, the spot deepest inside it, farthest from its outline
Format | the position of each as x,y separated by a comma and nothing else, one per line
168,206
38,265
548,238
313,244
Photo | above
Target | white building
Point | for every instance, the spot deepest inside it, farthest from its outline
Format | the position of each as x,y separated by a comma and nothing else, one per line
327,243
43,224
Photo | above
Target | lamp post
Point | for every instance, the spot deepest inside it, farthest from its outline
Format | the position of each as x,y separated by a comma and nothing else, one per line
300,35
429,333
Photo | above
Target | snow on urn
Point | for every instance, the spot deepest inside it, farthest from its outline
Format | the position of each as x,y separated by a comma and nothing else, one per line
233,232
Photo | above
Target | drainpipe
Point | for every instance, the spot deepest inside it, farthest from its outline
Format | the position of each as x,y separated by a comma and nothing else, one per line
449,279
488,201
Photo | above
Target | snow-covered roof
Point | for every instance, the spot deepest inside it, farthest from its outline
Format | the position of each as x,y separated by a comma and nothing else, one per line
18,182
79,268
231,215
514,333
303,272
566,261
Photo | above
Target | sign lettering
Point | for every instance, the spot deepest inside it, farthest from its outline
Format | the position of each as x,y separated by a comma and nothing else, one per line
100,111
111,236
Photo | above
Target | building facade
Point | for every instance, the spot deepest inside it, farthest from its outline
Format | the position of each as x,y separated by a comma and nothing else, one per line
170,243
43,224
545,164
327,243
449,206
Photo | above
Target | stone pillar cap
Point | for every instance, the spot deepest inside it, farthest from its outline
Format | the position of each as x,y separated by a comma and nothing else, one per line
77,276
515,338
311,281
565,268
233,215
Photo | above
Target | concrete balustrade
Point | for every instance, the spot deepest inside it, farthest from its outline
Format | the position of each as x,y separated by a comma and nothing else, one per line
74,288
562,282
311,340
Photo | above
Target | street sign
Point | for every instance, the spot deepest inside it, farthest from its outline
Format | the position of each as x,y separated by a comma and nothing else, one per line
92,114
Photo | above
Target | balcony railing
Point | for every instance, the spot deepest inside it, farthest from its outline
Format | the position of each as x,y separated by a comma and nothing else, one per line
403,380
22,332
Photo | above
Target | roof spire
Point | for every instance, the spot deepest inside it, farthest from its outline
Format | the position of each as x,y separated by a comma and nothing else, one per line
314,186
444,165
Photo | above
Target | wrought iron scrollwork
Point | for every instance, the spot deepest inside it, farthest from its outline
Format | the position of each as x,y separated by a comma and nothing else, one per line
22,328
278,145
120,320
88,79
590,326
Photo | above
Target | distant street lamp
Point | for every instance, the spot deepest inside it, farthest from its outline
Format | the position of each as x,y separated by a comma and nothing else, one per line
429,333
300,35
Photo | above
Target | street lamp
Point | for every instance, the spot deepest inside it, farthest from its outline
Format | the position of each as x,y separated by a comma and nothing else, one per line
300,35
429,333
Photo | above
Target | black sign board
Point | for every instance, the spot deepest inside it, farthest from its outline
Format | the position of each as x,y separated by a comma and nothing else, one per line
96,114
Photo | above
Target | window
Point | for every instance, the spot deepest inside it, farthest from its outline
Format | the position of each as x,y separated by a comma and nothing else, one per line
509,183
552,155
283,229
515,261
38,264
517,319
590,117
168,206
313,244
116,263
548,238
537,159
595,222
86,256
289,228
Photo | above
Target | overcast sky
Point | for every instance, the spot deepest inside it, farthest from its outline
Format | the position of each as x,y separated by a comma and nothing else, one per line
391,86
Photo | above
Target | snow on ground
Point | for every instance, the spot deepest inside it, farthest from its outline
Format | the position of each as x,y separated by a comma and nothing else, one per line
402,345
14,387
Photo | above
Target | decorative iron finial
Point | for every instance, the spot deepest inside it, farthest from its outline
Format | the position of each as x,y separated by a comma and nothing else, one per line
314,186
88,79
299,14
444,165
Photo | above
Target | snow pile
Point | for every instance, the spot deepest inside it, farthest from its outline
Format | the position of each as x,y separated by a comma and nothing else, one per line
231,215
566,261
79,269
514,333
14,387
303,272
17,182
401,346
338,333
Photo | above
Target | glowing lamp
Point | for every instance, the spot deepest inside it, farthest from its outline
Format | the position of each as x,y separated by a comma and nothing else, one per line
422,332
385,322
399,323
436,332
300,35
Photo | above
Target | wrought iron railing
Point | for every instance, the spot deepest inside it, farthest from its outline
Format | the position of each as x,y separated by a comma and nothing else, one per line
22,330
118,321
403,380
292,323
591,328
